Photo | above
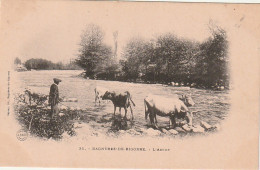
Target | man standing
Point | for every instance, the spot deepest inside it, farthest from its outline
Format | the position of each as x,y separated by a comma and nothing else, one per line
54,97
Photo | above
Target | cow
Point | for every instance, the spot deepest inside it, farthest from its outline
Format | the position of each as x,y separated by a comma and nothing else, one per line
173,108
120,100
99,92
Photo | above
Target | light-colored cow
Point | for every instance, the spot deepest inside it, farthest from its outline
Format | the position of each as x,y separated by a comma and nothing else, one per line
99,92
172,107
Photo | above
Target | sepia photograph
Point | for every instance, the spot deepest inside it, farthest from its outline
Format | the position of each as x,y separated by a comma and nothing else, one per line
103,84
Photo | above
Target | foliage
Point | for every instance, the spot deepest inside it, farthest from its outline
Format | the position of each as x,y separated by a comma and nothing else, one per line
95,57
40,64
43,64
213,62
168,58
17,61
32,113
164,59
137,53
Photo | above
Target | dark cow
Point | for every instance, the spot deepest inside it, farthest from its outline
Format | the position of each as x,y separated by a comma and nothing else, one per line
120,100
173,107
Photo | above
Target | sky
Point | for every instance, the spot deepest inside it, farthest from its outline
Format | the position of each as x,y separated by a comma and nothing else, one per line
52,29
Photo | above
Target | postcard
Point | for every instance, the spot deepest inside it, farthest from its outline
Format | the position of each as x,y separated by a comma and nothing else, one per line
96,84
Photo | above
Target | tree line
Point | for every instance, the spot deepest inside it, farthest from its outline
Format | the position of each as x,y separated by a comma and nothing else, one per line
163,59
43,64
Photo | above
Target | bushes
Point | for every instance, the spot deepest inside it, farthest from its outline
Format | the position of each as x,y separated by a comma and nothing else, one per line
168,58
42,64
38,64
32,113
163,59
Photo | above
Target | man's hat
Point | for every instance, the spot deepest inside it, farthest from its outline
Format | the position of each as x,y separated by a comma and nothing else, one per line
57,80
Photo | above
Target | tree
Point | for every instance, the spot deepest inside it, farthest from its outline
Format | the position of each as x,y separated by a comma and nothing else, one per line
17,61
189,50
164,59
136,55
38,64
93,51
174,58
167,57
212,64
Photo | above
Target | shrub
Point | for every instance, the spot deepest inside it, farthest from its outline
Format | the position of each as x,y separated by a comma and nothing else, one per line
32,112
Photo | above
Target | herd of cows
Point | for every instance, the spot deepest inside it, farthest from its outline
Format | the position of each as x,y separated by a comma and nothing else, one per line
155,105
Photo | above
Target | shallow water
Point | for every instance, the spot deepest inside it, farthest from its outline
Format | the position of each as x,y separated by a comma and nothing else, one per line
211,106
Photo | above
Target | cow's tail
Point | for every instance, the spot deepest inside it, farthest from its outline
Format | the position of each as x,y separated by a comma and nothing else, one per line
132,101
146,112
130,98
95,90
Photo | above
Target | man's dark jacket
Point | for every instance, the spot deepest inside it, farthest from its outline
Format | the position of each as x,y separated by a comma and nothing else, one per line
54,95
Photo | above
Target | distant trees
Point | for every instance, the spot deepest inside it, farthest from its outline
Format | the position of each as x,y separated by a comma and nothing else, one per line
95,57
72,65
40,64
43,64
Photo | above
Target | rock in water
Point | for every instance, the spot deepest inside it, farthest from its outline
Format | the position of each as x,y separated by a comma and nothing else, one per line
174,132
198,129
152,132
182,122
62,107
122,132
142,130
165,131
133,132
61,114
179,129
205,125
72,108
46,102
187,128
